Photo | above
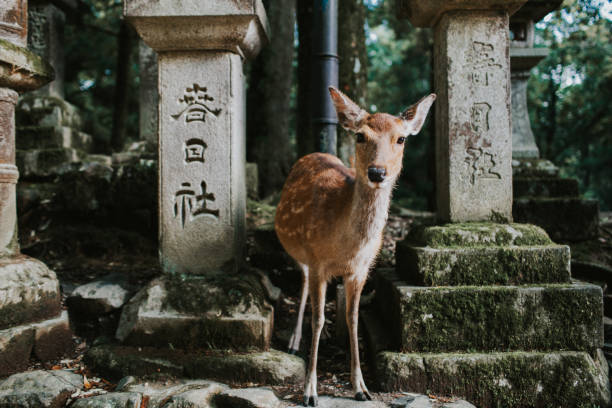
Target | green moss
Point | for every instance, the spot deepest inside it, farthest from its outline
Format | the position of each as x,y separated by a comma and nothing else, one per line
23,59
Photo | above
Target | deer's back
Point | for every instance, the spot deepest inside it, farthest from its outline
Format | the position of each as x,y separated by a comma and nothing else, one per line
313,208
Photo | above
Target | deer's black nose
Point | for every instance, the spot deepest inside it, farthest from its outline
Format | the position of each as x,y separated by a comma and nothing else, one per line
377,174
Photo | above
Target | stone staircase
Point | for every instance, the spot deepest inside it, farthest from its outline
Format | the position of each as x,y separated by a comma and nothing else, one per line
488,312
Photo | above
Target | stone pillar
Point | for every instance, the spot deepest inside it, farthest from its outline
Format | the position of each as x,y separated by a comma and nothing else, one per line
148,93
31,321
202,195
473,126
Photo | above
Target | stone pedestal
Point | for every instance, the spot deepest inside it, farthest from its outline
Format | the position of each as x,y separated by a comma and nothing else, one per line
474,302
31,322
205,299
541,196
48,127
147,59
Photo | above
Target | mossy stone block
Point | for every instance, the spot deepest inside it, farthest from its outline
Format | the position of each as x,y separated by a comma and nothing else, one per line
565,219
220,311
483,265
545,187
478,234
491,318
500,380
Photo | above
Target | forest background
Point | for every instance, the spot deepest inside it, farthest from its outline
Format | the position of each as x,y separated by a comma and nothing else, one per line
385,65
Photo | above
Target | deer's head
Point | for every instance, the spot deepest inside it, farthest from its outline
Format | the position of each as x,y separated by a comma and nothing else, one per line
379,137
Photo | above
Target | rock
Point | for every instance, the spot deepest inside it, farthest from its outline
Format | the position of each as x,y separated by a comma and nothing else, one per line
101,296
44,163
458,404
490,318
248,398
217,311
534,168
332,402
182,394
123,158
39,389
29,291
52,137
100,158
111,400
124,382
413,401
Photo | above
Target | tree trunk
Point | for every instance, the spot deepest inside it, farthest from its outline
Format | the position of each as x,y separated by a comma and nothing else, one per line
353,65
306,142
268,98
125,42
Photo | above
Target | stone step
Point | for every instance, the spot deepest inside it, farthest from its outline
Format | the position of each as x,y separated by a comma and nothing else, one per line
212,312
46,340
36,110
481,254
544,187
269,367
43,163
490,318
46,137
564,219
534,168
29,292
510,379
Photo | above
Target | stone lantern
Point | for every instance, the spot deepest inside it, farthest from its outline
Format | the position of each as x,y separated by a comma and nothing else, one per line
31,320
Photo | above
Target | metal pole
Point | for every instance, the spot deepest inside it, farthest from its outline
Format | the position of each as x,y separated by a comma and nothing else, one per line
325,73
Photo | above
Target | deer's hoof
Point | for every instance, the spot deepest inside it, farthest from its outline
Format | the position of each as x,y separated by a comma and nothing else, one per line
311,401
292,351
361,396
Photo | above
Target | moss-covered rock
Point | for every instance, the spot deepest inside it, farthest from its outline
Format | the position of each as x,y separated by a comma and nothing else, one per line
271,367
491,318
565,219
483,265
21,69
215,312
544,187
500,380
534,168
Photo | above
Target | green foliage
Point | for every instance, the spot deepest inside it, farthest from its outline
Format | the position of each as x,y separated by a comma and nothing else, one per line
91,64
569,96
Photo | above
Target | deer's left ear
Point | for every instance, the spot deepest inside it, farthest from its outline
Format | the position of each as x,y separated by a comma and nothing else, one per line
414,117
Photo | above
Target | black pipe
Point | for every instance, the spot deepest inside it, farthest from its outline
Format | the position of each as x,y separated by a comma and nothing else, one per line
325,73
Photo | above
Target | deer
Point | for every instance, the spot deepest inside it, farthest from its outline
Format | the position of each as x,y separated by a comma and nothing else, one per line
330,219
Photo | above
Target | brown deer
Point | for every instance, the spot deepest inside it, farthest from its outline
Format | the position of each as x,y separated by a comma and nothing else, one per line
330,219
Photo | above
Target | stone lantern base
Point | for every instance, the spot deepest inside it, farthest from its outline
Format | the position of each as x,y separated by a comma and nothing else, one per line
544,198
32,324
488,312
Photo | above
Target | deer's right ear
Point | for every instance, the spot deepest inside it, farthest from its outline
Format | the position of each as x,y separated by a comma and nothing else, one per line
349,113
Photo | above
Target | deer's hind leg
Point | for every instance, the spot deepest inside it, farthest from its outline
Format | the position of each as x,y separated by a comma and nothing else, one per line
296,337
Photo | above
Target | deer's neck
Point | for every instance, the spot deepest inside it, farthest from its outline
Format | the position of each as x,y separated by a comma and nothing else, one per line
369,211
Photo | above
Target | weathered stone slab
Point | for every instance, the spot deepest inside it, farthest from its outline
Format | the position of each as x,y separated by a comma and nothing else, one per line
271,367
473,134
428,13
520,379
49,137
534,168
218,311
491,318
21,69
41,163
197,398
240,27
29,291
34,110
545,187
101,296
423,401
248,398
112,400
504,265
39,389
335,402
46,341
14,21
565,219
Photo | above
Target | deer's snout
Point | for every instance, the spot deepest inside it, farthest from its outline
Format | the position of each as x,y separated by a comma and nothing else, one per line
377,174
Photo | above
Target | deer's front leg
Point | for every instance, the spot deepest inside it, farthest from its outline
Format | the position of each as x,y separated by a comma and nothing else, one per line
353,294
317,300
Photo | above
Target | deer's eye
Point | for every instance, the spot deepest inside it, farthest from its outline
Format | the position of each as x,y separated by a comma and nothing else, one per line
401,140
360,137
